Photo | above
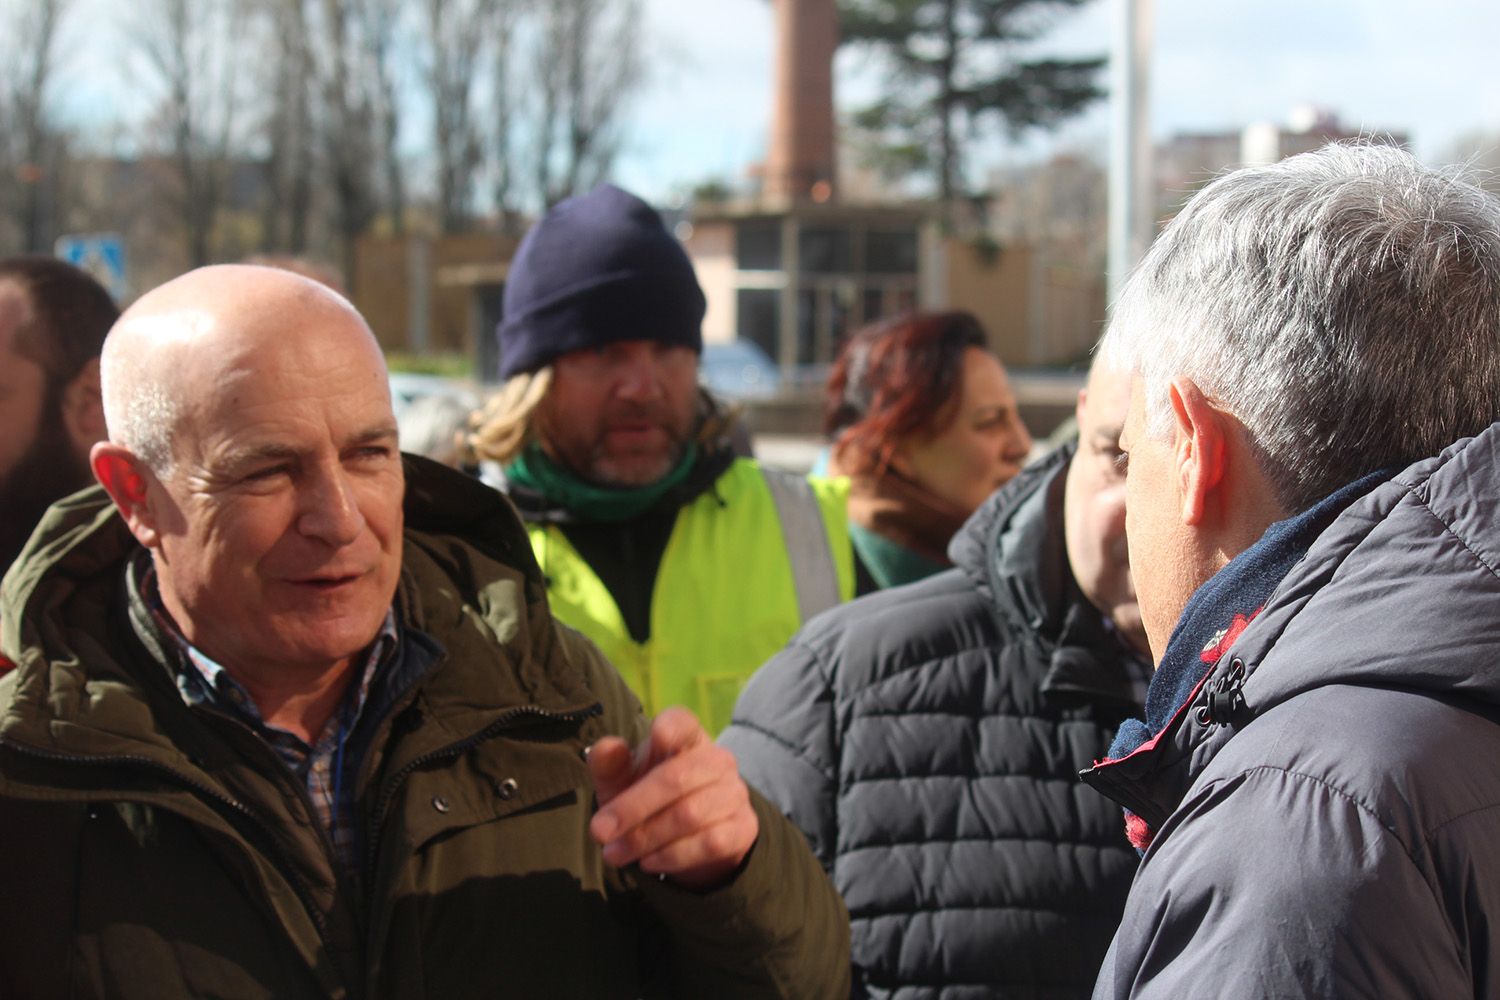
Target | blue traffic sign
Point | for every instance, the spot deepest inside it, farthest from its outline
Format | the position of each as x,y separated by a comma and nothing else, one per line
101,255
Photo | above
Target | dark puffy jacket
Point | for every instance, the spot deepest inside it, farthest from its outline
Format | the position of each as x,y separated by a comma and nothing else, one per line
1337,832
157,850
926,739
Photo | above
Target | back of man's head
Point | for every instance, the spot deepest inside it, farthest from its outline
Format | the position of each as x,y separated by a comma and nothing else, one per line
53,319
68,313
1343,304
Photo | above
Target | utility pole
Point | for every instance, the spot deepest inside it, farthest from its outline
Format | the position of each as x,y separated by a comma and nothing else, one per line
1130,209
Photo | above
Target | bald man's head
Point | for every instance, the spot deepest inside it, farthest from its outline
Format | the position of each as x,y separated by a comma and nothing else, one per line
253,451
171,349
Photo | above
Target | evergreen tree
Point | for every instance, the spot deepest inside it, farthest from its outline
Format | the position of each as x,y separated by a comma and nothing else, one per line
956,69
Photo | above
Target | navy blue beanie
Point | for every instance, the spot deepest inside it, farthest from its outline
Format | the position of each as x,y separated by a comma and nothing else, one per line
598,268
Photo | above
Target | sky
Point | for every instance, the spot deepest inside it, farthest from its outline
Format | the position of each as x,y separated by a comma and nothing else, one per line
1426,68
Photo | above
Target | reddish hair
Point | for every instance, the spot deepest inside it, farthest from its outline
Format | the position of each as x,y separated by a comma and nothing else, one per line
896,378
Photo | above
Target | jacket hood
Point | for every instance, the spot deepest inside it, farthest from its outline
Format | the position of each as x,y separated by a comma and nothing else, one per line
1401,590
1000,546
1013,550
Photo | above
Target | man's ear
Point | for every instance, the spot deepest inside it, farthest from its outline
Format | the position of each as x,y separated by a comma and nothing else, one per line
83,408
128,481
1200,453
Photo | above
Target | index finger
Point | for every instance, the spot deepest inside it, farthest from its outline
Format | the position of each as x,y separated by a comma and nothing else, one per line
673,731
659,789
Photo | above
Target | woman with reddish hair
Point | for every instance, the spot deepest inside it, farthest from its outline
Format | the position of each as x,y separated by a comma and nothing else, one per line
925,426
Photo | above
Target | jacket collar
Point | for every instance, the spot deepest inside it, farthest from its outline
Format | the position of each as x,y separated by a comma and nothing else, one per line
1014,550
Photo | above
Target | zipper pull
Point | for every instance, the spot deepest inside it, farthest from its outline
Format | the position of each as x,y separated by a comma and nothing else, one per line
1226,698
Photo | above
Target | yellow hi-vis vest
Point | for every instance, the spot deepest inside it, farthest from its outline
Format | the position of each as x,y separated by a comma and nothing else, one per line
728,592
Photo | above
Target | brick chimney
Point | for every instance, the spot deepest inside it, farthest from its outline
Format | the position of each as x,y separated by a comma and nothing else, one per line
800,161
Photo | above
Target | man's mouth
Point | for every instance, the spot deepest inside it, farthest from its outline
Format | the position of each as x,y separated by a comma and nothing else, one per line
328,581
632,431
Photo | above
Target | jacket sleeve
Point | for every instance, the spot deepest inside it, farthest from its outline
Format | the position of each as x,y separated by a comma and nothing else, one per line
1270,883
783,734
779,930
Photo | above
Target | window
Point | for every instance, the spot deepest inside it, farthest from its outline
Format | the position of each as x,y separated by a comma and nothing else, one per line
757,319
891,251
824,251
757,245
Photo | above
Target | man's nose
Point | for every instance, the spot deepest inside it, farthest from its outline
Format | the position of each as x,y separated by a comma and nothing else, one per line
330,510
640,379
1018,446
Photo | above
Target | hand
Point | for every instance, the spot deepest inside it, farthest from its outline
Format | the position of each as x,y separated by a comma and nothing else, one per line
677,806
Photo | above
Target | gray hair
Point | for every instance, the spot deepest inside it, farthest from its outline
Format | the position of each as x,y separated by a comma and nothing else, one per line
436,426
1343,304
139,413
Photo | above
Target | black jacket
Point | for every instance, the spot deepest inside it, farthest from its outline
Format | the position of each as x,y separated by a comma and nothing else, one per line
926,739
1332,827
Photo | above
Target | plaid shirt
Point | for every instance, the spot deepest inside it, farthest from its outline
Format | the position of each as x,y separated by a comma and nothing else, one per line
320,766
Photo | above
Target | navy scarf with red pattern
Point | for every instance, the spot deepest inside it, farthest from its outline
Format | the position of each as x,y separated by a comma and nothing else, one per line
1221,609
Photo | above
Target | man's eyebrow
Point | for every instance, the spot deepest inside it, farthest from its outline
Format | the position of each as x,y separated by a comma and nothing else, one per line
378,432
1108,435
273,451
270,451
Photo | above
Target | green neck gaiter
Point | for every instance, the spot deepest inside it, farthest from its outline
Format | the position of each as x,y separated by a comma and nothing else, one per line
588,501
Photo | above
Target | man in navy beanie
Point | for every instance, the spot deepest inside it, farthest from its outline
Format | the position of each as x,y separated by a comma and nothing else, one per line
689,566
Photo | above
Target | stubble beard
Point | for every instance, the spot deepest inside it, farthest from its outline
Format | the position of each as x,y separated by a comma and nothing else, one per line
596,462
631,471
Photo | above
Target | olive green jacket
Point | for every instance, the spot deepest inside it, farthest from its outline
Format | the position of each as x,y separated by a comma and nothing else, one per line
152,849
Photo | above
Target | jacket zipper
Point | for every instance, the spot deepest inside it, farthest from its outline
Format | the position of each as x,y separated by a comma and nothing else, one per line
506,719
1226,698
275,853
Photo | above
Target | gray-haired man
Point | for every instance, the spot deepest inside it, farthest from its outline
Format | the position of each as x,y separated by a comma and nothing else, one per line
1315,788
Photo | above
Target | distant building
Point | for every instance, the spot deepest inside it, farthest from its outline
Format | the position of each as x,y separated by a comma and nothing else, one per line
796,268
796,280
1187,161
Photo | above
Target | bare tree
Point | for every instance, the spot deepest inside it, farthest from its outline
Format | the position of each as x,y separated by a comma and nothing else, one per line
34,146
290,137
587,66
383,21
506,17
347,124
456,30
193,49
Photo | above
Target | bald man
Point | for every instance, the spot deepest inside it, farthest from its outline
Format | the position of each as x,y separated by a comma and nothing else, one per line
291,717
